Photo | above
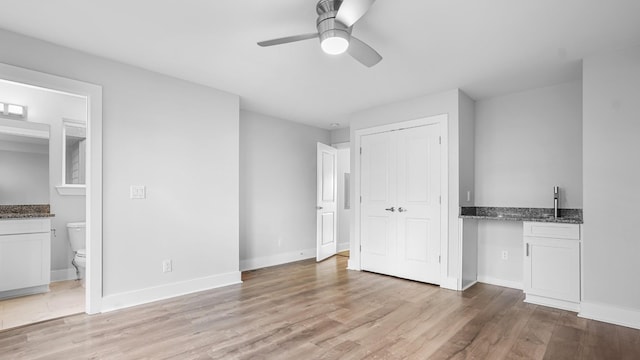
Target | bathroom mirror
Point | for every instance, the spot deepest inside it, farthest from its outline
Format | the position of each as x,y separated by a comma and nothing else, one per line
74,158
24,163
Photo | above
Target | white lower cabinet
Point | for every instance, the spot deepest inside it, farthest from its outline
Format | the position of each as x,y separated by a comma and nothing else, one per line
552,264
25,256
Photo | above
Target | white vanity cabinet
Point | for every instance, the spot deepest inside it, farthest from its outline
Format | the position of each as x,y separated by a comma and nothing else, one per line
552,264
25,256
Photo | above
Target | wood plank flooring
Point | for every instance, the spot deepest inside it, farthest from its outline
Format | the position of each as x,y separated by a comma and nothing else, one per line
306,310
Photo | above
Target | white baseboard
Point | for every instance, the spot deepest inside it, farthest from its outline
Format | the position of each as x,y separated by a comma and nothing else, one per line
449,283
554,303
278,259
352,266
143,296
343,247
63,275
610,314
500,282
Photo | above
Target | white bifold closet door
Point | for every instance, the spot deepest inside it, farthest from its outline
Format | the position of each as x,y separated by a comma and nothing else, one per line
400,210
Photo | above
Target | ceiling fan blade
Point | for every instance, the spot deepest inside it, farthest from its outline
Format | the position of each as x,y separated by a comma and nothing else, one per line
363,52
288,39
352,10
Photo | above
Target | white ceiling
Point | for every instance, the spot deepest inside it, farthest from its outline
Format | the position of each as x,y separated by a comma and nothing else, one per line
485,47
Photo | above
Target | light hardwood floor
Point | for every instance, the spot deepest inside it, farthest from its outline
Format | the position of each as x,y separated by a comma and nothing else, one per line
322,311
64,298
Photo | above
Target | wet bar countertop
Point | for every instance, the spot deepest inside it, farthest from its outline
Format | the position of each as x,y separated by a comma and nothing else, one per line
567,216
25,211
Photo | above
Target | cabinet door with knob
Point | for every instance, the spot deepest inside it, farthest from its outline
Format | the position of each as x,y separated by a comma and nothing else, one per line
400,211
552,264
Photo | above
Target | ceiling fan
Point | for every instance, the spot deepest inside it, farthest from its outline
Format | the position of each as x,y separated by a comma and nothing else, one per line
335,22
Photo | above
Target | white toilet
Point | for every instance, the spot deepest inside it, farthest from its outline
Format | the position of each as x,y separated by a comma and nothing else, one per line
78,240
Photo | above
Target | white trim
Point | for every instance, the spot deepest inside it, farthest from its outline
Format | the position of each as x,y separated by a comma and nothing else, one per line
162,292
72,190
443,120
500,282
277,259
449,283
63,275
554,303
93,95
610,314
34,133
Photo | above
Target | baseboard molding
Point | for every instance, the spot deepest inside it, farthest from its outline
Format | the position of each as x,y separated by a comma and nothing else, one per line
610,314
278,259
554,303
343,247
500,282
352,266
449,283
156,293
63,275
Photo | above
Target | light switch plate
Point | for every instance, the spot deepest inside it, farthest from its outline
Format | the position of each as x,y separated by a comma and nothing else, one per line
138,192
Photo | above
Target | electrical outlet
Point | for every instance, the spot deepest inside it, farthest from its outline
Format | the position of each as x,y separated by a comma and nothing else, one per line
167,266
505,255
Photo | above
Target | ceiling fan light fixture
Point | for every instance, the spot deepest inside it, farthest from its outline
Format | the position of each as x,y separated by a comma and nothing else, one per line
334,42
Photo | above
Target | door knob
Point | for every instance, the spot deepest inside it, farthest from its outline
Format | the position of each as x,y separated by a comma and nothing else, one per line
392,209
400,209
318,207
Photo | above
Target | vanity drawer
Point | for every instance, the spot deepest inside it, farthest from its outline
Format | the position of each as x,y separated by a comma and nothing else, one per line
25,226
552,230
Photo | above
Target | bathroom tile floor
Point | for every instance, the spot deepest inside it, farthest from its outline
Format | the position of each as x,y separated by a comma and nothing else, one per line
64,298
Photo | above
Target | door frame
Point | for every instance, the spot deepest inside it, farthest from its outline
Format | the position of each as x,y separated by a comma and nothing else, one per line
93,95
442,119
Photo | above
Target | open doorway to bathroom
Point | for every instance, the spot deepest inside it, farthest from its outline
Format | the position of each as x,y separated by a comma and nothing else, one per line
344,197
50,265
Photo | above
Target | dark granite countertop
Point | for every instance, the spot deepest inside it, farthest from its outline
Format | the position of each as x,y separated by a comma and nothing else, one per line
566,216
25,211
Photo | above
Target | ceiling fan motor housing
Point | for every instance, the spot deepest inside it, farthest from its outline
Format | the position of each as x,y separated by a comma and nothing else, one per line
326,23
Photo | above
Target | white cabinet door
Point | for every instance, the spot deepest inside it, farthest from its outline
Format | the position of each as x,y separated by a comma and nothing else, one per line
400,211
25,261
552,264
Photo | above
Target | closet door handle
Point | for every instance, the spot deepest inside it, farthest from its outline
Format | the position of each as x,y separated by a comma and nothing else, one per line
527,249
392,209
400,209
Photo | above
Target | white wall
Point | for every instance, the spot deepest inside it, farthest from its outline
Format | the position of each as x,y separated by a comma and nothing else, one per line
340,135
611,130
436,104
50,108
526,142
181,141
277,190
25,175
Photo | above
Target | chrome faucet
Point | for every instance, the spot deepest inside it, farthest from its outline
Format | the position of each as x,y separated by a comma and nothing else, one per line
556,191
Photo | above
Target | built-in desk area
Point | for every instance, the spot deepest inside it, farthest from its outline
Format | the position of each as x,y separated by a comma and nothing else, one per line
551,251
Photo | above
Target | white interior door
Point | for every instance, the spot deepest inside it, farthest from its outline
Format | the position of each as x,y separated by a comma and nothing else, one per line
378,225
418,201
400,209
326,202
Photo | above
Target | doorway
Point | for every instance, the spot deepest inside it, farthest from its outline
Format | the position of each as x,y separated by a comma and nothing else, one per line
92,96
